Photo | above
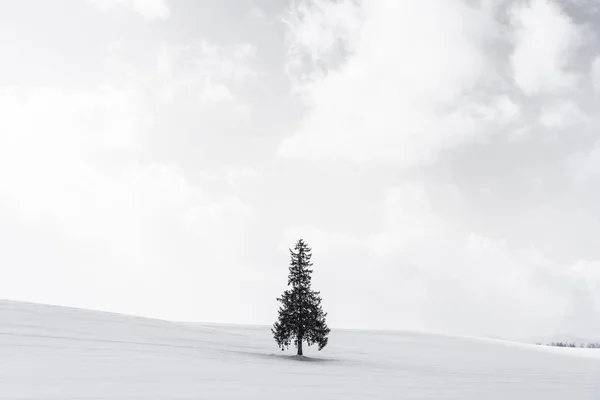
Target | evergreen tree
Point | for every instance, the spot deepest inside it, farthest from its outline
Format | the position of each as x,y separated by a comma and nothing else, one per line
301,317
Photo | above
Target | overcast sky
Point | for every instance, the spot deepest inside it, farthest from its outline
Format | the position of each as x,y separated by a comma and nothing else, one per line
442,158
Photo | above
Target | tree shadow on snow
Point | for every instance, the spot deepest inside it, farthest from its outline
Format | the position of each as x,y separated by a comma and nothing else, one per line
295,358
303,358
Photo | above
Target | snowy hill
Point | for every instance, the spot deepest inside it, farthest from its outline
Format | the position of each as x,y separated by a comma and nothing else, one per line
51,352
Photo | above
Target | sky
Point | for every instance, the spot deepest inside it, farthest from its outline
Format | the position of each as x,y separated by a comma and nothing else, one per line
441,158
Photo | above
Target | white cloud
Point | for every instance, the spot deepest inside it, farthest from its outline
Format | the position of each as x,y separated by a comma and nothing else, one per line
256,13
317,33
585,165
51,159
595,74
507,108
520,134
233,176
583,277
562,115
244,51
545,41
49,134
230,63
408,217
389,99
210,72
455,279
149,9
589,6
322,241
215,93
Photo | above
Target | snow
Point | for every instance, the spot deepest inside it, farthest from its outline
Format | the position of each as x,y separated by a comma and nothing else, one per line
49,352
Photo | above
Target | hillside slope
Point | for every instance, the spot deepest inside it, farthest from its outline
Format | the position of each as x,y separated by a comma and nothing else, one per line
51,352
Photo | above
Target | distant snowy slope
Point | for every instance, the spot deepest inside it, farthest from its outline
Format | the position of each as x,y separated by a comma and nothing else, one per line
51,352
578,340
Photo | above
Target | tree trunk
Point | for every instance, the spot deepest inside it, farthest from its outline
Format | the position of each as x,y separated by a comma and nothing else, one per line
300,346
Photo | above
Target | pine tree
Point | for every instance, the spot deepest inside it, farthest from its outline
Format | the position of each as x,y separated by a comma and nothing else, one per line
301,317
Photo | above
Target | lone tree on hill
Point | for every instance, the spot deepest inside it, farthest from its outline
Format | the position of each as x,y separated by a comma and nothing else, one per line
301,317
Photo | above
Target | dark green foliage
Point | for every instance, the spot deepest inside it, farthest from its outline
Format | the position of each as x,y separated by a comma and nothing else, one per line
301,317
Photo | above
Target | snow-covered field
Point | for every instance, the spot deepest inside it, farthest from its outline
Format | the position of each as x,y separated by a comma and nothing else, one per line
61,353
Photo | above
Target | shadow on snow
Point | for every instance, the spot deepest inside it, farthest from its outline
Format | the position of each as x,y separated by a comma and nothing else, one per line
286,357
